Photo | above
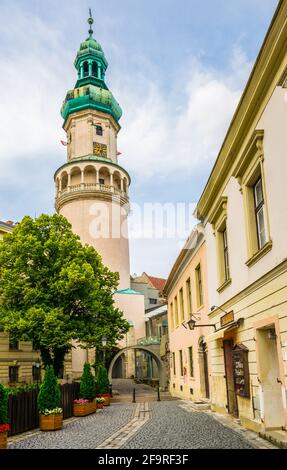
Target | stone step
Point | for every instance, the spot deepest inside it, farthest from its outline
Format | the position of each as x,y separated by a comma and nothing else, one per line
276,437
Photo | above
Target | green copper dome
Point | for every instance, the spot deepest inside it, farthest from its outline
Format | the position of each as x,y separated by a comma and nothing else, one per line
91,43
91,90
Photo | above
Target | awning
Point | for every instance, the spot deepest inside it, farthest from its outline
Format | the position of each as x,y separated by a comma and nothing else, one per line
220,333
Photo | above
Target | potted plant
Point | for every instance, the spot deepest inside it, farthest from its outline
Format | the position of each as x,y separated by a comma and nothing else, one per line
103,385
86,404
4,426
100,402
49,401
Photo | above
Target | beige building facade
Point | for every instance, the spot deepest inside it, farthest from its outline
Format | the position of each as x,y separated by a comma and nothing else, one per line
243,210
187,295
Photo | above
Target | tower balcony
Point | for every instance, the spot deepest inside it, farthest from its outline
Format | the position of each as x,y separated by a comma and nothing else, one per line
86,179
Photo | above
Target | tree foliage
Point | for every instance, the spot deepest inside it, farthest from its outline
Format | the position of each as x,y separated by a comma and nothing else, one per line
3,405
88,384
49,396
54,290
103,384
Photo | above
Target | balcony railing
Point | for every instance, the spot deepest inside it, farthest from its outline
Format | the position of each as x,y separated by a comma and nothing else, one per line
92,187
149,341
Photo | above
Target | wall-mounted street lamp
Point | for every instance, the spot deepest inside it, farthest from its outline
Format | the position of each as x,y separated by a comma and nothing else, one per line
191,324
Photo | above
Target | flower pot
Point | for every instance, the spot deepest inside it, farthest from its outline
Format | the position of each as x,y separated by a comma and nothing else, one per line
107,398
51,422
100,406
3,440
84,409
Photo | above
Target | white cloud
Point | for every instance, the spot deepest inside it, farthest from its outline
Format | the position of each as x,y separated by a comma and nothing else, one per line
162,135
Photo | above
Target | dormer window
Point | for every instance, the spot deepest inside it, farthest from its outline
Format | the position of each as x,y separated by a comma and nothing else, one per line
95,69
99,130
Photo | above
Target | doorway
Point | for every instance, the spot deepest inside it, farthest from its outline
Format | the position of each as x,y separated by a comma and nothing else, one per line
203,368
229,376
267,350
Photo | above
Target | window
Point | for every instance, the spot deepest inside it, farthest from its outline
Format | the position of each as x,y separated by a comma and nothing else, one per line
175,312
95,69
181,363
36,373
259,213
225,255
86,69
14,346
13,374
171,316
190,354
173,363
199,286
250,176
181,305
99,130
153,301
188,297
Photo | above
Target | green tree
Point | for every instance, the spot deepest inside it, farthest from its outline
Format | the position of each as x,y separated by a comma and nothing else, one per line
3,405
54,290
103,384
88,384
49,396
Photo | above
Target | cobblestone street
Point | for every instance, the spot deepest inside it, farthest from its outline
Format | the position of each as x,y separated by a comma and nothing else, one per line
157,425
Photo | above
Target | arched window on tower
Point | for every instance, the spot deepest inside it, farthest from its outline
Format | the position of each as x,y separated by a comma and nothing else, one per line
86,69
95,69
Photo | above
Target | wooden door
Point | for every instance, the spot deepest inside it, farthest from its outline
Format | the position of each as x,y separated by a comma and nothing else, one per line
230,388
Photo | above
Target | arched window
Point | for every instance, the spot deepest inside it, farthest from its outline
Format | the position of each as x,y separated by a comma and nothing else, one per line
95,69
86,69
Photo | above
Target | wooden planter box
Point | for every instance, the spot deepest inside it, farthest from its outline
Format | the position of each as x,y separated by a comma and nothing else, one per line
84,409
51,422
3,440
107,398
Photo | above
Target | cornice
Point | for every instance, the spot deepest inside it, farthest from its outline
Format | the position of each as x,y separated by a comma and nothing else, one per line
88,195
191,247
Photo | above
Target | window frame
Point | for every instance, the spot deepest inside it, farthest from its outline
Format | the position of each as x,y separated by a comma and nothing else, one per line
181,304
181,367
188,297
191,361
259,208
173,364
199,286
15,368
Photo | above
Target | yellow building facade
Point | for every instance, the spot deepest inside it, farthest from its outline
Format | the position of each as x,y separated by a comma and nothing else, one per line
243,211
187,295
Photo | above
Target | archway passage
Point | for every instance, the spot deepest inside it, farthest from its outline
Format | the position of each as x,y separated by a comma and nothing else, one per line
158,361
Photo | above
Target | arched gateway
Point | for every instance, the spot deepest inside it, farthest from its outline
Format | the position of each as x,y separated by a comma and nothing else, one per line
159,363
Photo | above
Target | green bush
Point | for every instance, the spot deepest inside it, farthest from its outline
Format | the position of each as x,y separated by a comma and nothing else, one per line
88,385
103,384
3,405
22,389
49,396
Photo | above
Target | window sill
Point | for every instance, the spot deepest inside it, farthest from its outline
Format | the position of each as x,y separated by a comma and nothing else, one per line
224,286
259,254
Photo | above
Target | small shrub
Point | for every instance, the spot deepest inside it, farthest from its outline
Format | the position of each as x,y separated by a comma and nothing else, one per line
88,385
49,397
3,405
103,384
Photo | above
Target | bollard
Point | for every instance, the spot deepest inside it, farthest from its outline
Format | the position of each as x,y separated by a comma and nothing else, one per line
158,394
134,395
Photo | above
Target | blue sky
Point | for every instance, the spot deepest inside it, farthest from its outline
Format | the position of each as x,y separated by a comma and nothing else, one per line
177,69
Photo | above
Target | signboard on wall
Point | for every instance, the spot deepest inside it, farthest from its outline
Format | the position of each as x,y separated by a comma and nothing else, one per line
226,319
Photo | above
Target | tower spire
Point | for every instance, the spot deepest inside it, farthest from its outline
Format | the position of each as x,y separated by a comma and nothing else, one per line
90,21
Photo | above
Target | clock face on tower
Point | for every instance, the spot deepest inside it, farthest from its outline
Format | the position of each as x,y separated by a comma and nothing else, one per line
100,150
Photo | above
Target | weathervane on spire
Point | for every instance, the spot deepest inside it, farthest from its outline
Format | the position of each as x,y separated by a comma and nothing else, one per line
90,21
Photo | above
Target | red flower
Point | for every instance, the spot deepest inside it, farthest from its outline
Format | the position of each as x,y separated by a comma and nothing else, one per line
4,427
